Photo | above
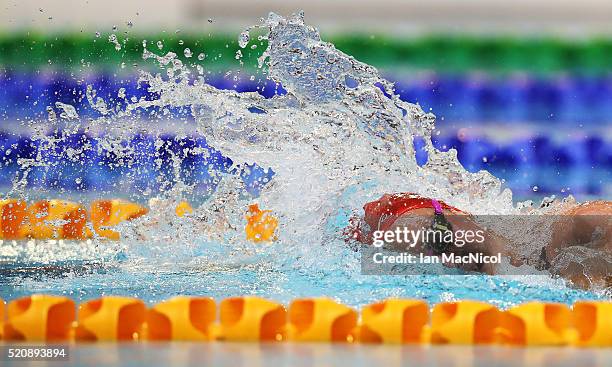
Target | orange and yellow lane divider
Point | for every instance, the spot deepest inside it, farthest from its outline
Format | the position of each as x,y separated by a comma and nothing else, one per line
62,219
252,319
106,214
261,224
67,220
13,215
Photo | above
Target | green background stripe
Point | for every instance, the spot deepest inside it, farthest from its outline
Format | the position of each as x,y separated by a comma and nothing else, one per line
441,53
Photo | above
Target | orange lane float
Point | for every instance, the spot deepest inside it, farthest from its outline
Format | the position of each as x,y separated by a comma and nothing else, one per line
182,318
537,323
57,219
39,318
251,319
1,319
183,208
593,323
261,224
394,321
110,319
464,322
61,219
321,320
13,217
106,214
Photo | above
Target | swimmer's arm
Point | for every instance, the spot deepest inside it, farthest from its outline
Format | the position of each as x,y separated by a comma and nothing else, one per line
492,245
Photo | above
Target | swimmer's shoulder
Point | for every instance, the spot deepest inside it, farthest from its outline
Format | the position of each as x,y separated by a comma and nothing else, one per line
596,207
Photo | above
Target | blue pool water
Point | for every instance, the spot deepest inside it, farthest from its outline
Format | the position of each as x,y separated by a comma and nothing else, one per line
581,167
551,134
564,100
183,264
155,283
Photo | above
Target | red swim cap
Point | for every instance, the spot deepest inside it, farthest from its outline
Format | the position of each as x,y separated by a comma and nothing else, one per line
382,213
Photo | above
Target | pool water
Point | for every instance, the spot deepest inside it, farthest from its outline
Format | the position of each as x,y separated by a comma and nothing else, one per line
158,270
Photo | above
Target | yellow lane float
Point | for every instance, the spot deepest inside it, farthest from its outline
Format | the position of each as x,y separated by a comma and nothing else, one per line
394,321
39,318
110,319
593,323
321,320
13,217
251,319
106,214
183,208
182,318
464,322
61,219
1,319
57,219
261,224
538,323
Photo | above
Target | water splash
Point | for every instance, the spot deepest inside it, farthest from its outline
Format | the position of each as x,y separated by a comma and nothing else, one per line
338,138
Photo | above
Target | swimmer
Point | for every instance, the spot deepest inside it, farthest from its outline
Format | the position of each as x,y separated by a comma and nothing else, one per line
580,248
577,230
406,210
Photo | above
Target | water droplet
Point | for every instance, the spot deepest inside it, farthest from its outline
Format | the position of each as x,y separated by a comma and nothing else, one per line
113,39
535,188
210,20
68,111
201,56
244,39
181,42
160,44
130,24
187,52
51,115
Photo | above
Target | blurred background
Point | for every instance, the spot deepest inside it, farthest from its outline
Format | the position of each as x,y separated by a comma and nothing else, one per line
522,88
